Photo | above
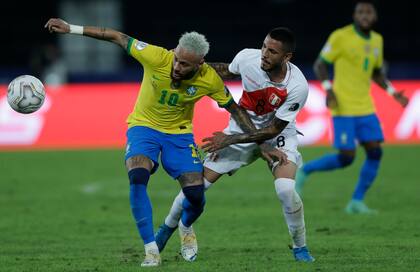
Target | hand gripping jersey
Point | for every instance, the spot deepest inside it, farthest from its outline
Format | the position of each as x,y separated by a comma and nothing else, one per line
264,99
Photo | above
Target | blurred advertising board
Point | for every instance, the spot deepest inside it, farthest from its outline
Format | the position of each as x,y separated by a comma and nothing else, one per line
93,116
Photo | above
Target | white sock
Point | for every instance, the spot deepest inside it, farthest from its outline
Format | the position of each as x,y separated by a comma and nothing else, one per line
292,210
151,247
175,213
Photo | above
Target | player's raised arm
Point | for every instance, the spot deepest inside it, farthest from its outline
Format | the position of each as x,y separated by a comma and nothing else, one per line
101,33
379,77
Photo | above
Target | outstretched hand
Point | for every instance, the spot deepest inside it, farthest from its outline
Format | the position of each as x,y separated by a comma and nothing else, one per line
271,154
57,25
218,141
401,98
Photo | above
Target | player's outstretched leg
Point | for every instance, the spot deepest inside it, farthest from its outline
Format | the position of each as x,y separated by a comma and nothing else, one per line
293,213
166,230
142,212
325,163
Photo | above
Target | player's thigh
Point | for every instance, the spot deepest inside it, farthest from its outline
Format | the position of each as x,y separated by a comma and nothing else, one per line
210,175
229,159
142,149
369,131
344,132
287,144
180,155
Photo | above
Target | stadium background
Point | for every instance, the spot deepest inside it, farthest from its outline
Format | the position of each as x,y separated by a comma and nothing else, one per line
63,198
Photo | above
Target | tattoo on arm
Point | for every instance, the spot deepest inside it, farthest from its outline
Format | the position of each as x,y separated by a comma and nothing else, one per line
106,34
260,135
223,70
241,117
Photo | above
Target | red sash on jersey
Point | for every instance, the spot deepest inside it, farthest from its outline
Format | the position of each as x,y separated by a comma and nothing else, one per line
263,101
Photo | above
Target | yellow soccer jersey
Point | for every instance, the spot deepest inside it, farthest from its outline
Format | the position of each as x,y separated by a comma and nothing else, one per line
354,57
161,107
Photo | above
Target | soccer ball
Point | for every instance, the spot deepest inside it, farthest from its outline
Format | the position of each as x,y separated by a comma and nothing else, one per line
26,94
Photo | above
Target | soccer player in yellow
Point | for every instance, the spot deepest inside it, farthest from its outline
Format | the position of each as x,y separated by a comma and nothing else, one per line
161,124
356,52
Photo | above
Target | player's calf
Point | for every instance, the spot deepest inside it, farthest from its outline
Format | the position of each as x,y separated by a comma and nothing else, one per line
193,203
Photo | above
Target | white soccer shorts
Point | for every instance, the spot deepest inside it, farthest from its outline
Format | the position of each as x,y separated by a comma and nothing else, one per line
233,157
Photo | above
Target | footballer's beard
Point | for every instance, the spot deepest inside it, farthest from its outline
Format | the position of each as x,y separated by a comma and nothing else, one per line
187,76
272,68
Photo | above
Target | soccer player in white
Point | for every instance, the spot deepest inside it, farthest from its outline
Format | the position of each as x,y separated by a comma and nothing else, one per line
274,90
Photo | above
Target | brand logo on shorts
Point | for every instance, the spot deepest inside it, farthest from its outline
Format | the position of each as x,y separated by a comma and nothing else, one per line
127,148
191,90
274,100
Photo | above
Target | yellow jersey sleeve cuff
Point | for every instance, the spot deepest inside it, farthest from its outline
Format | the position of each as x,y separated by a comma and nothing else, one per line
130,42
227,104
325,60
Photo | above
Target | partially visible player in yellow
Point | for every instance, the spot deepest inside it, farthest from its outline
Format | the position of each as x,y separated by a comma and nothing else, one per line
356,52
161,124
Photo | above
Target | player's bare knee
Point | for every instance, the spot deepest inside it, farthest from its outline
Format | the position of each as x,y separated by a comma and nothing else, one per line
191,178
285,170
139,161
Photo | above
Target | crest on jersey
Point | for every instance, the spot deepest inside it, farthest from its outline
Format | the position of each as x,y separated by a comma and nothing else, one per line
191,90
376,52
294,107
140,45
274,100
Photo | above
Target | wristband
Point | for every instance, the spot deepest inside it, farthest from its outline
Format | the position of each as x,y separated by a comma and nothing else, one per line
326,85
390,89
76,29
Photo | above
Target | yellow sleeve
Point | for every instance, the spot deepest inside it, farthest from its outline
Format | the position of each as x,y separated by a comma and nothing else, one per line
221,93
147,54
332,48
380,59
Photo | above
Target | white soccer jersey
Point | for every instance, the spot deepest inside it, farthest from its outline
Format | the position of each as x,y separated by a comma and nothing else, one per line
264,99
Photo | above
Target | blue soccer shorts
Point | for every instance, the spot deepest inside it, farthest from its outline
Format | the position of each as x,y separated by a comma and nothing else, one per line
178,152
348,129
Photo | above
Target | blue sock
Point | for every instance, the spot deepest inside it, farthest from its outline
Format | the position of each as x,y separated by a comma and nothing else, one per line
193,204
327,162
368,173
140,203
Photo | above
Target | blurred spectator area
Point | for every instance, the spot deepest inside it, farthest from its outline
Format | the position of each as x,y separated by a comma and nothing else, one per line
27,47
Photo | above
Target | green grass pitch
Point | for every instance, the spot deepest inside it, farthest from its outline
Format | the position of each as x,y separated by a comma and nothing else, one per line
69,211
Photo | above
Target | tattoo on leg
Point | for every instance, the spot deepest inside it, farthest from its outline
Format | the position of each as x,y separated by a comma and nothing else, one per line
192,178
